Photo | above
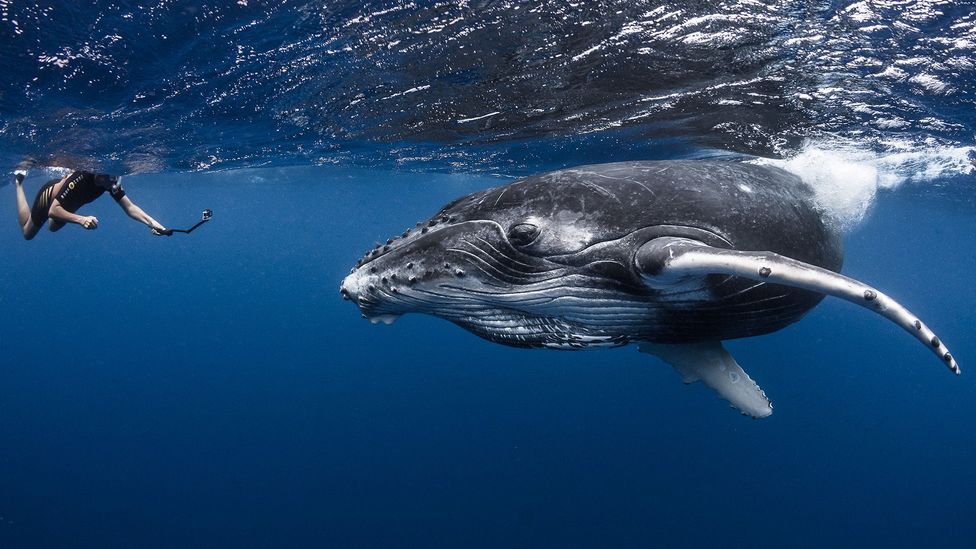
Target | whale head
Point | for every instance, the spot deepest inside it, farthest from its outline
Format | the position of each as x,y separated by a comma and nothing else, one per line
504,269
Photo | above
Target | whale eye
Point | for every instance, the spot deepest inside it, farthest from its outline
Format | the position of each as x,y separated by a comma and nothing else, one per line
522,234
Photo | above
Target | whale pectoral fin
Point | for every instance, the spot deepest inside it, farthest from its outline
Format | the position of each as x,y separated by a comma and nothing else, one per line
711,364
670,258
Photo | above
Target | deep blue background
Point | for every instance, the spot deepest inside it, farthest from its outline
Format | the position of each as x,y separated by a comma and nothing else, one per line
214,390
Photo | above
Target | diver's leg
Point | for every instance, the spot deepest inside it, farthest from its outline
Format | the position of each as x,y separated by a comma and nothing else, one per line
23,212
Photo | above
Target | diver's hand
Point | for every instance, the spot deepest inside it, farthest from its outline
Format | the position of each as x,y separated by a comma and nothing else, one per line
19,178
89,222
159,230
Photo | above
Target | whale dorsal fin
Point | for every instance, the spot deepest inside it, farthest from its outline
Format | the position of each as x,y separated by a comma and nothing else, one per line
711,364
672,258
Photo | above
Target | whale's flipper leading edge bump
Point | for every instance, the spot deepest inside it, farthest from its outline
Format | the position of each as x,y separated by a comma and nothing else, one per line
711,364
668,258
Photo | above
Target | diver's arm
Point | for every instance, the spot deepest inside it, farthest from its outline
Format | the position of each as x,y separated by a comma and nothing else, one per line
137,213
56,211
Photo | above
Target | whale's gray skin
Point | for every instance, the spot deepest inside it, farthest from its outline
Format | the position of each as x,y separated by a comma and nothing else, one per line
675,256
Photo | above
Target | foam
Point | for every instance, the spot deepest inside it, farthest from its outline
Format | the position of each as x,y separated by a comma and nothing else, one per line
846,178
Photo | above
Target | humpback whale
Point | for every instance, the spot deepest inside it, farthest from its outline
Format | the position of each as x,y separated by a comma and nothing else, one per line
674,256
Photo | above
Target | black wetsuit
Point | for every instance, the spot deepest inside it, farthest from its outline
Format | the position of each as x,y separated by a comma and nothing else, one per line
79,188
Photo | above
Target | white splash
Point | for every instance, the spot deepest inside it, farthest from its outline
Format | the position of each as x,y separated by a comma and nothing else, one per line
846,178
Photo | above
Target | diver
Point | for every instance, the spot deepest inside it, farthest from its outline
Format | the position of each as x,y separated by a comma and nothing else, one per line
59,199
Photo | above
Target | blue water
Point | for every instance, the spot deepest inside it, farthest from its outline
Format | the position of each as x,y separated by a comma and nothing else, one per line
476,85
214,390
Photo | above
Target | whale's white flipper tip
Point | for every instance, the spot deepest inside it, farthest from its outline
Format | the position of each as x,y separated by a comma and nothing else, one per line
711,364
